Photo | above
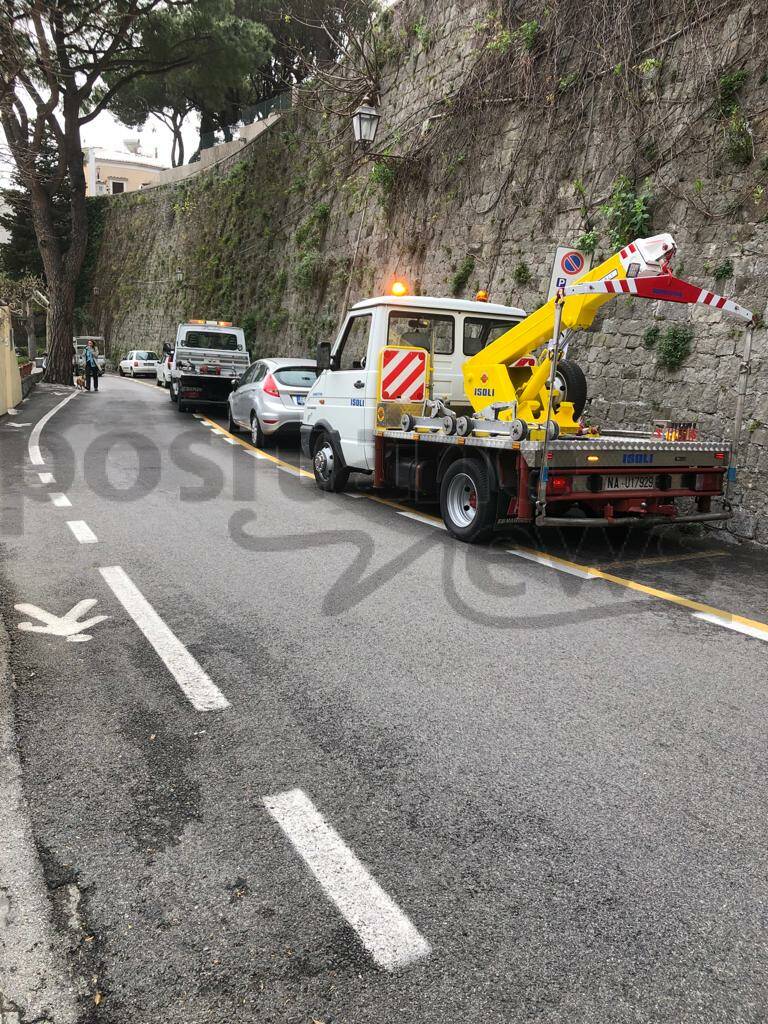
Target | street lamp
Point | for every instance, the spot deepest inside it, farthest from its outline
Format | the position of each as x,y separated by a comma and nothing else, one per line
365,122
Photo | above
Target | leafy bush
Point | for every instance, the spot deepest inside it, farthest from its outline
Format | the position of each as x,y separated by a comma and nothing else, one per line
522,273
501,42
463,273
738,139
627,212
384,176
724,270
307,268
529,34
651,336
589,241
674,347
729,87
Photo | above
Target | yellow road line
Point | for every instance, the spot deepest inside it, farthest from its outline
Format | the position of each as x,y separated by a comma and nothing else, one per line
252,448
590,570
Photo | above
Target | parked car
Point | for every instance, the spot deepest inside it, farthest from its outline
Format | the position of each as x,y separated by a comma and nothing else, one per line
164,370
269,398
139,363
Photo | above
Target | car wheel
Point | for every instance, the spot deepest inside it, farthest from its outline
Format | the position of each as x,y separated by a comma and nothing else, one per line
232,427
468,500
330,475
174,396
257,434
182,406
121,371
158,382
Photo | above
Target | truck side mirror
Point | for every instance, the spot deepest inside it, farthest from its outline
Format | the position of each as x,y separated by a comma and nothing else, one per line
323,356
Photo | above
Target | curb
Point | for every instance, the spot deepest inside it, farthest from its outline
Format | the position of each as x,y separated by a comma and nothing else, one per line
34,979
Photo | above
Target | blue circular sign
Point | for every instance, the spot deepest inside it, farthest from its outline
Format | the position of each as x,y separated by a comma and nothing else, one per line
572,263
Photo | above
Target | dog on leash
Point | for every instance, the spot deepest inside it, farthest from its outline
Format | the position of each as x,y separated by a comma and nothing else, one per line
80,383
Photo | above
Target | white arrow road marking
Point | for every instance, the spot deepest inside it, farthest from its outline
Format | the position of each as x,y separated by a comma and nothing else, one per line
198,687
61,625
387,933
33,445
60,501
82,531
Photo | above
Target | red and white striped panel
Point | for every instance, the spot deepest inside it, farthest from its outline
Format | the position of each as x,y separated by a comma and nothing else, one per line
403,375
665,287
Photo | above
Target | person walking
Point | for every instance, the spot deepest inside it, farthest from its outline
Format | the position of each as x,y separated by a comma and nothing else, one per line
91,367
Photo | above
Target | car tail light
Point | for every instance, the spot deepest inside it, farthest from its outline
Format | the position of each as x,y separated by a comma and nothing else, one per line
559,485
135,362
270,386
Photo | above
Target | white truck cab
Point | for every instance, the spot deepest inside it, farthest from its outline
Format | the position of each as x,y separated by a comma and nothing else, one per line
342,402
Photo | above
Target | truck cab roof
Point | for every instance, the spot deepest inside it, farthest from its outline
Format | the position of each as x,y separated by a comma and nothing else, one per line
434,303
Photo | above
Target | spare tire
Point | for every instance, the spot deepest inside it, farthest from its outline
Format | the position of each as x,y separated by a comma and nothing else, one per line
572,384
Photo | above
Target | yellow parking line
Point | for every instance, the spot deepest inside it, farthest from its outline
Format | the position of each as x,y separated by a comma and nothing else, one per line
642,588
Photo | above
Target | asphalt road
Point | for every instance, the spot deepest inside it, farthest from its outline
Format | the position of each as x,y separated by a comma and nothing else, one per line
442,783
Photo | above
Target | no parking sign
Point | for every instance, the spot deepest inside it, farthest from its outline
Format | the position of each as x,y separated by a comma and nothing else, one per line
570,264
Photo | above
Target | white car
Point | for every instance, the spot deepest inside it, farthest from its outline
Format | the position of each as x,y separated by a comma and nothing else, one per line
164,370
139,363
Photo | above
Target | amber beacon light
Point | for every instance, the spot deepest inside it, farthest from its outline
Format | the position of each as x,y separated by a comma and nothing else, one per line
399,288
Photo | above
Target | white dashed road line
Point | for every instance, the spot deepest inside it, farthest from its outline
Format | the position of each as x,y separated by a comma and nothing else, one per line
198,687
33,445
47,478
735,625
60,500
82,531
386,932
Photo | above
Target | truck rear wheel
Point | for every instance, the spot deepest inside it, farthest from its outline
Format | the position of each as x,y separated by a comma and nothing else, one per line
329,474
174,394
468,500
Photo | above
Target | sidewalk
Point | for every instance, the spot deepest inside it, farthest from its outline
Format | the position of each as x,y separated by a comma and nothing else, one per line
34,979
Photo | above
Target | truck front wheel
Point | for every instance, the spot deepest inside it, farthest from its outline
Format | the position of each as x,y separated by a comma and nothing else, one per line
329,474
468,500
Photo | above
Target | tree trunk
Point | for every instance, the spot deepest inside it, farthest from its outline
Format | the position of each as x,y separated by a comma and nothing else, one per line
61,313
31,337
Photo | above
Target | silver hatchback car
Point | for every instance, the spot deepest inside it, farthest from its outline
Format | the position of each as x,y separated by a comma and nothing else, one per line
269,398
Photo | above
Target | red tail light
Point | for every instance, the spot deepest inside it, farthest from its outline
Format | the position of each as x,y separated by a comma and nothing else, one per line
135,362
270,386
559,485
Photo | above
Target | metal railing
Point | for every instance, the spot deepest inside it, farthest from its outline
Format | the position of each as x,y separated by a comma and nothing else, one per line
250,115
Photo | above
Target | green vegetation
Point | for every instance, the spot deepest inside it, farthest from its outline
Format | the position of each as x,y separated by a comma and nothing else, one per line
568,81
729,87
463,273
649,66
384,178
522,274
674,346
588,241
627,213
651,336
529,34
423,34
738,139
501,42
723,271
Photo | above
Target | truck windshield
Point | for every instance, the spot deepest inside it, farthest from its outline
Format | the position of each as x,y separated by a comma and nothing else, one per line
220,340
481,331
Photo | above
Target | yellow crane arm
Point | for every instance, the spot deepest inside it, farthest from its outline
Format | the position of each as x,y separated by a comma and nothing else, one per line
487,378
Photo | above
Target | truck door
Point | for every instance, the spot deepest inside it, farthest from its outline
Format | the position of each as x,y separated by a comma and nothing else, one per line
349,392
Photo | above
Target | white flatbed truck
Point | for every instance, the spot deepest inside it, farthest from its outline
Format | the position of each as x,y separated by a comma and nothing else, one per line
398,395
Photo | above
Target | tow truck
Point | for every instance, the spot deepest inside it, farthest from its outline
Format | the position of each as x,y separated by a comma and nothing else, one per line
473,404
209,355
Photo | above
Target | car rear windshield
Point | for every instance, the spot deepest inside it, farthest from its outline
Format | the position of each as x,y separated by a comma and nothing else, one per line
210,339
146,356
296,376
